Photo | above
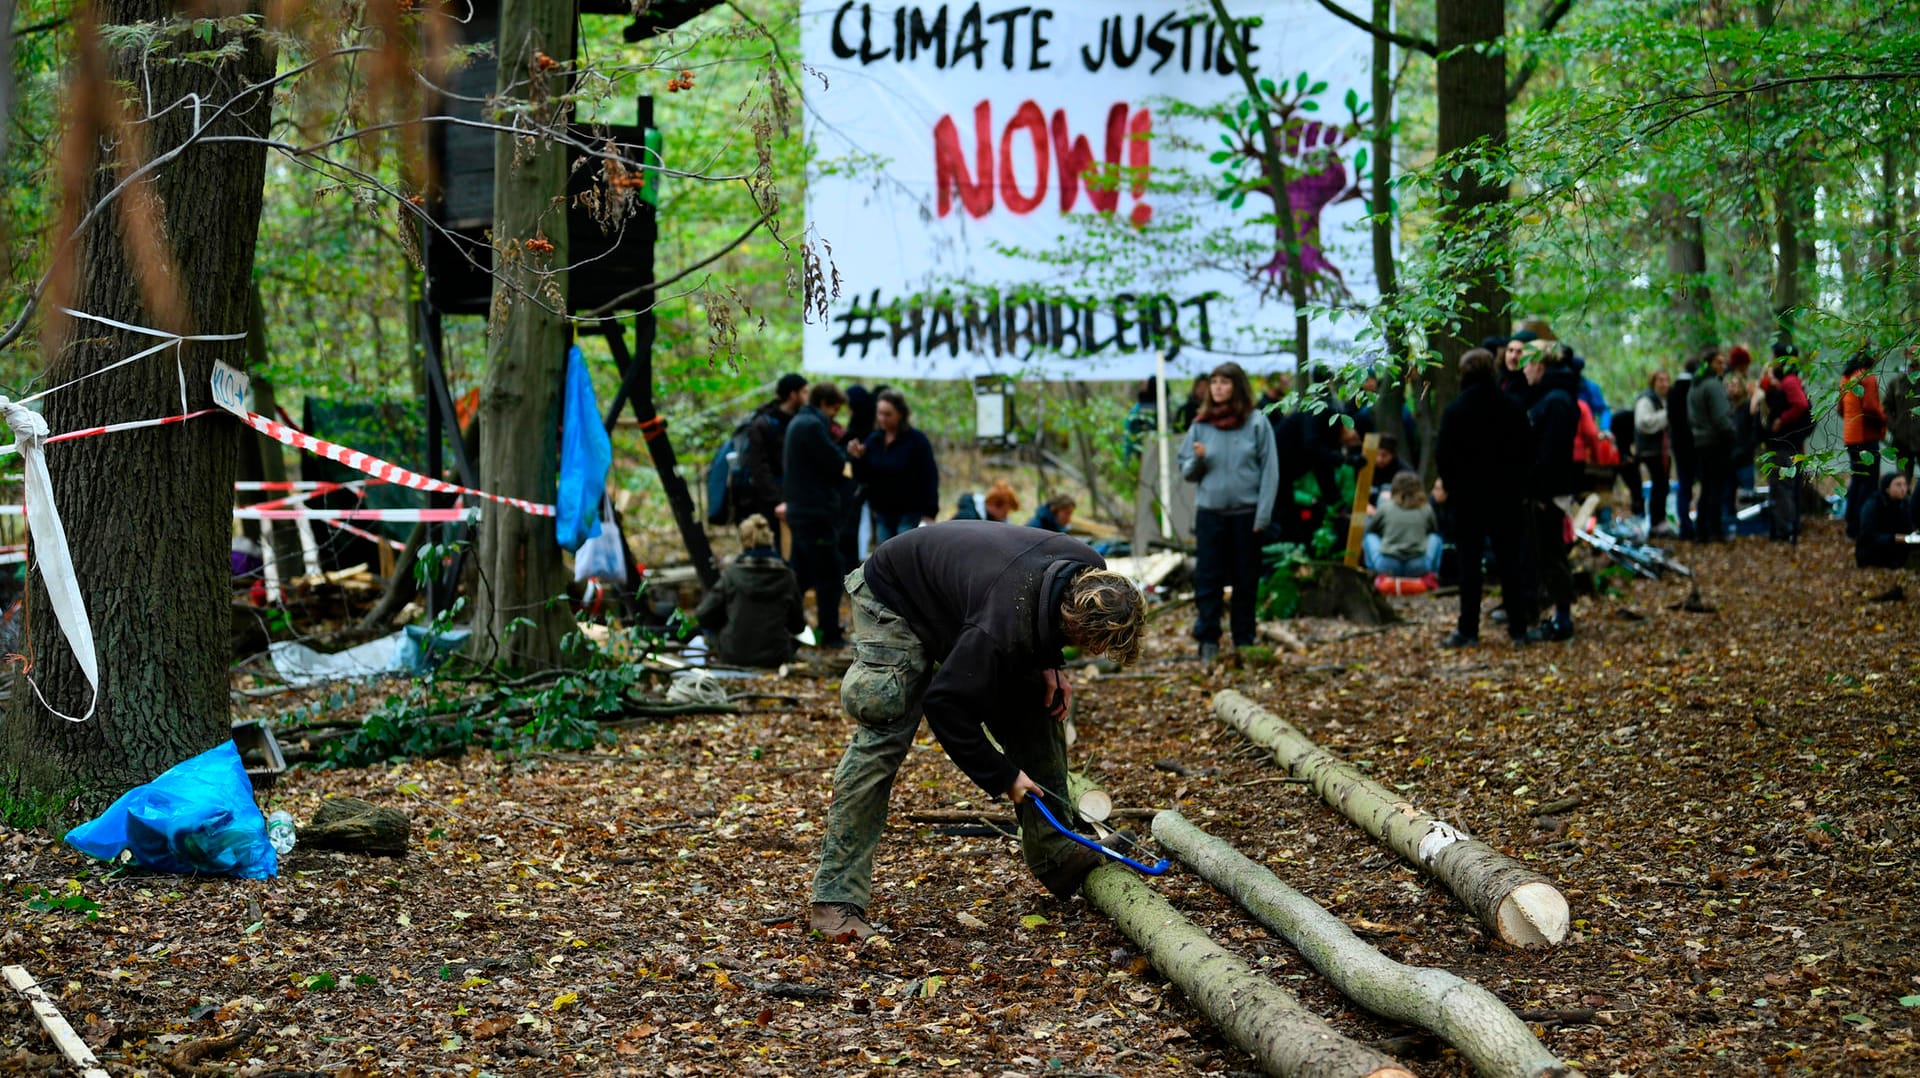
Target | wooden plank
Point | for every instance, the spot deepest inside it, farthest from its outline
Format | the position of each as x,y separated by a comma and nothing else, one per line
1362,486
69,1042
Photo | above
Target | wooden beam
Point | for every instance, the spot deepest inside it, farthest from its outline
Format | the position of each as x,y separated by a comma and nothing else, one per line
69,1042
1362,486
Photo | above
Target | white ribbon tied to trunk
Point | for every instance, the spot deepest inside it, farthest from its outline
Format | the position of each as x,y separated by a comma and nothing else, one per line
50,553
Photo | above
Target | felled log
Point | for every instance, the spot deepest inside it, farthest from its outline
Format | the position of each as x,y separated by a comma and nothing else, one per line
1256,1014
1515,903
356,826
1465,1015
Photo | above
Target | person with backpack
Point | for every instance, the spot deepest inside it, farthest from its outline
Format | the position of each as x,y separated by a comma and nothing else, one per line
1553,479
753,460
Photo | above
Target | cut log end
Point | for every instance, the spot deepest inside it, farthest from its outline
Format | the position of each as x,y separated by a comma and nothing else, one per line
1533,915
1391,1072
1095,805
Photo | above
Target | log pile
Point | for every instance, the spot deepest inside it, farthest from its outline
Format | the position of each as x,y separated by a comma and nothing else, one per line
1254,1013
1518,905
1472,1019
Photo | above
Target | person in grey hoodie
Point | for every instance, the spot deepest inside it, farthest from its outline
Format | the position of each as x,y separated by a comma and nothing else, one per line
1230,452
1710,418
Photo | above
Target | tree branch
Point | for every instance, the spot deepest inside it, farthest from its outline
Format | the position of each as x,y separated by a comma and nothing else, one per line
1549,19
1419,44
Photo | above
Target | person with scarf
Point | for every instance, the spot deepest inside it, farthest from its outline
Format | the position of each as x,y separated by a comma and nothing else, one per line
1790,424
1231,455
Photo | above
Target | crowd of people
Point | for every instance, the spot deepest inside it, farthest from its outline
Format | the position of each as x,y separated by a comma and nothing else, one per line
813,496
1528,438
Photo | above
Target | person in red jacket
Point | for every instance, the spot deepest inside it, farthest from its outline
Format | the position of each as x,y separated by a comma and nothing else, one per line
1863,425
1787,430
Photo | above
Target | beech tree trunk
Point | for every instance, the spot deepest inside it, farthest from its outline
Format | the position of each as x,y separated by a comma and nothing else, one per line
147,512
1691,301
1465,1015
1518,905
1471,89
1256,1014
520,571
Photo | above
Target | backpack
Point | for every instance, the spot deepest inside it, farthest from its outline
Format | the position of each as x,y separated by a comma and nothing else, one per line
729,484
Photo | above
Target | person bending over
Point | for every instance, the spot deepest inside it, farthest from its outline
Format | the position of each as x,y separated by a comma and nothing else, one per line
964,622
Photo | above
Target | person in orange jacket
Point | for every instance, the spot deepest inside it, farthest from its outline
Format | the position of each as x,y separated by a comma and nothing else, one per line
1863,426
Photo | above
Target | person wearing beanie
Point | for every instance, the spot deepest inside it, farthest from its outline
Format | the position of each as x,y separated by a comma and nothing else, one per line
1885,521
1483,450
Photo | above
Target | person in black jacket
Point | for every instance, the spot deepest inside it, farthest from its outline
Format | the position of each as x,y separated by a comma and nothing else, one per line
752,614
1483,448
815,470
1680,447
1554,478
964,621
766,449
896,464
1309,440
1884,520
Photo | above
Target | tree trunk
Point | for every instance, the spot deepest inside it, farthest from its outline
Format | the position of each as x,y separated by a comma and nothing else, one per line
1691,301
518,558
148,512
1471,83
1458,1011
1394,377
1256,1014
1515,903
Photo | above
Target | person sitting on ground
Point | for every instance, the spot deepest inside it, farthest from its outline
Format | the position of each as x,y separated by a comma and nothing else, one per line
1885,520
997,504
752,615
1403,534
1054,514
965,622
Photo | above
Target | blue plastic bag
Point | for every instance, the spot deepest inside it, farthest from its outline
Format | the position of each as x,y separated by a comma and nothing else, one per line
585,456
198,817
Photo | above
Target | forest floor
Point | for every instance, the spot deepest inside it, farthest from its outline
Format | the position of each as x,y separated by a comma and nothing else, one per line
1740,865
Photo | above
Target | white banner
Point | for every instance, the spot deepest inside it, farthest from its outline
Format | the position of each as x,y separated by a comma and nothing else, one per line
1015,188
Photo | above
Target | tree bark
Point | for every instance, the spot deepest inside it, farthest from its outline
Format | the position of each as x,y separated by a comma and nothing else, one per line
1690,300
147,513
1515,903
1471,83
1458,1011
1256,1014
520,572
1395,377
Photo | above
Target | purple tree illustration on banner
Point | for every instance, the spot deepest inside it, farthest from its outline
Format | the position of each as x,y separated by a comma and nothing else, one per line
1316,174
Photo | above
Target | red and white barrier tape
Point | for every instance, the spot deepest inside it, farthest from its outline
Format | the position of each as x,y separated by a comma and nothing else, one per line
112,428
394,516
375,467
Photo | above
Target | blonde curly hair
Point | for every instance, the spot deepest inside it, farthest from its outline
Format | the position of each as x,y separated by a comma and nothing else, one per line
1104,614
755,531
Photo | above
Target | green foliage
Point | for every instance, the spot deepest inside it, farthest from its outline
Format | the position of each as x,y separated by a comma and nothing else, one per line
31,810
1280,591
45,901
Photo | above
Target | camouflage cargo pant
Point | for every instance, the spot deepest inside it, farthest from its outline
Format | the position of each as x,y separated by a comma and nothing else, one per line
882,691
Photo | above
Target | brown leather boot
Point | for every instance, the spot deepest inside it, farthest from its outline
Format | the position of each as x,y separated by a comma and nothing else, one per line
840,921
